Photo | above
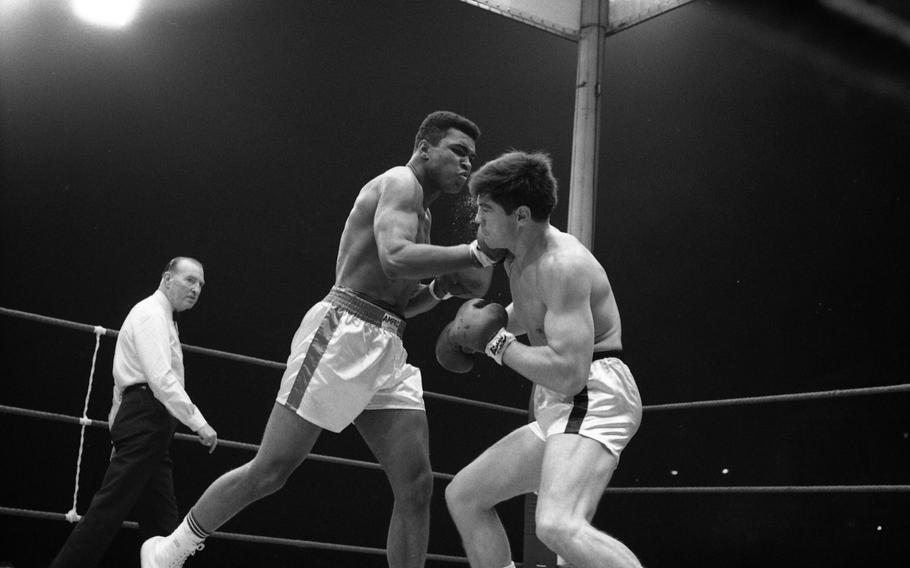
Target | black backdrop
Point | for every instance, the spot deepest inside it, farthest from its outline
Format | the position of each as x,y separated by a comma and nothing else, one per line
751,216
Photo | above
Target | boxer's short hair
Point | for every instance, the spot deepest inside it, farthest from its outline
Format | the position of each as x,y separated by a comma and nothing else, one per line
518,178
436,124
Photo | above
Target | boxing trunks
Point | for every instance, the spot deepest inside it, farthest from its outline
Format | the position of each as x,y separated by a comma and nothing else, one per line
608,408
346,357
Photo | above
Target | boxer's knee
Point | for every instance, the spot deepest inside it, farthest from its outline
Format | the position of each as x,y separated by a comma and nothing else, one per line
557,532
260,480
414,487
456,496
462,496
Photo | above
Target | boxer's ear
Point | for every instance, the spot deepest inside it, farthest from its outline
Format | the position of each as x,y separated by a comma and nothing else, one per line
423,147
523,214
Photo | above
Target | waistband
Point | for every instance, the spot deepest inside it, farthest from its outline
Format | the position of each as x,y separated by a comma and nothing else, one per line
352,303
605,354
136,387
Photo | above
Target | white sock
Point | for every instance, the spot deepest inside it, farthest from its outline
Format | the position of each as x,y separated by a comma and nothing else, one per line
184,534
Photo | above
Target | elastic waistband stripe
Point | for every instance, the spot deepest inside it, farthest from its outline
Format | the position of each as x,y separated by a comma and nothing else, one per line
366,311
605,354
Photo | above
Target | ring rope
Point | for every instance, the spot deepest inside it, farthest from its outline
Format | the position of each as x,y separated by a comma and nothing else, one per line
18,411
259,539
477,403
234,357
837,393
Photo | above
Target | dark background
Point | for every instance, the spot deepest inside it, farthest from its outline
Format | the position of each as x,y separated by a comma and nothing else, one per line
751,214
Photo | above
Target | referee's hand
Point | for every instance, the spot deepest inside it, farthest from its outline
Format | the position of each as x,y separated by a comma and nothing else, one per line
208,437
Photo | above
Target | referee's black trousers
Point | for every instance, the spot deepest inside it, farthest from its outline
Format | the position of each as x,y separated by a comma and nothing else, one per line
139,479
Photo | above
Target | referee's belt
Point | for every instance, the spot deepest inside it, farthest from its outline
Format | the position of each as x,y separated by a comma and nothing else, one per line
136,387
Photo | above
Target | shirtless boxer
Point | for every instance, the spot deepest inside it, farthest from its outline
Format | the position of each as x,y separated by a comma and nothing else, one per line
347,362
586,404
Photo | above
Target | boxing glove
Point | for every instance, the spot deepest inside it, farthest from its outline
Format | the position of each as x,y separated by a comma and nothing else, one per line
478,327
449,353
476,323
484,255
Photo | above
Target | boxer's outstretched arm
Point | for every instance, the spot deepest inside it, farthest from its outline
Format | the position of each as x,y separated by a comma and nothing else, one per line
395,228
467,283
471,282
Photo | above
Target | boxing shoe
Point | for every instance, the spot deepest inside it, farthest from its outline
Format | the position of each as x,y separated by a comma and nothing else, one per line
167,551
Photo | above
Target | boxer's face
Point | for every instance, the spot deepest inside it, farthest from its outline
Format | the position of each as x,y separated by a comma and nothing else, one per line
450,160
497,228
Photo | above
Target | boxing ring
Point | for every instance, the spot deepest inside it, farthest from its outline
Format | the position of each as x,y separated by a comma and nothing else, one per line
84,421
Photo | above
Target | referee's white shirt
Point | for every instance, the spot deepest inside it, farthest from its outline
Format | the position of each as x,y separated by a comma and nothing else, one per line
148,351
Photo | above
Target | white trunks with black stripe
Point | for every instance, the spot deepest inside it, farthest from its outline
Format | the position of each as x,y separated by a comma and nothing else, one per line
608,409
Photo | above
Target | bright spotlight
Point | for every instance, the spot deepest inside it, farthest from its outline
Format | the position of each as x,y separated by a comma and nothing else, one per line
107,13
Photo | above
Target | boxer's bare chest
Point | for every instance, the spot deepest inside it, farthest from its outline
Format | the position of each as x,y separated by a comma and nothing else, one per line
527,304
423,226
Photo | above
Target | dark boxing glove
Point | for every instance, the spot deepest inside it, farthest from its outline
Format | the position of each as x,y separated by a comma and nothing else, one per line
480,327
475,324
449,353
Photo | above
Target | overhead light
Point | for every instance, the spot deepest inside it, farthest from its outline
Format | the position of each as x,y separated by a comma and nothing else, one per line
107,13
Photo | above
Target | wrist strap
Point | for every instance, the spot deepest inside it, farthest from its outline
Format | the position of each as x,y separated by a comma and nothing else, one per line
432,290
497,346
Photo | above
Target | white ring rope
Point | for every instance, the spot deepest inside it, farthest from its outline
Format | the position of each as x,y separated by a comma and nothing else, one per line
72,515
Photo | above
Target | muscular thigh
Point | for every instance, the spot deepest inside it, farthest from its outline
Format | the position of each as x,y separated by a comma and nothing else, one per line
575,472
508,468
398,438
287,440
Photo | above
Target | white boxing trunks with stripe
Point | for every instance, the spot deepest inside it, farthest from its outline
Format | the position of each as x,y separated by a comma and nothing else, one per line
347,357
607,410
